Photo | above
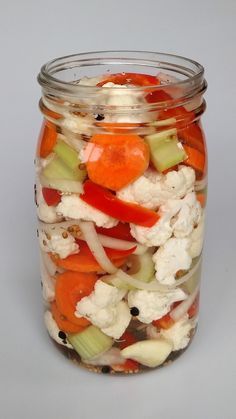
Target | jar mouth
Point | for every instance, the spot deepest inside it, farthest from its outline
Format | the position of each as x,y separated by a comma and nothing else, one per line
60,76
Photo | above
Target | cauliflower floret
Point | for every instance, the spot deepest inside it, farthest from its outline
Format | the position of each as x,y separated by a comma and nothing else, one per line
177,216
89,81
153,305
77,124
123,318
71,206
104,309
188,216
153,189
161,231
54,330
196,238
45,212
58,241
179,333
170,258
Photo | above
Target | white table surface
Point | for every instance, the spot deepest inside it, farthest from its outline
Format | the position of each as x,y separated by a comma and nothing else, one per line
36,381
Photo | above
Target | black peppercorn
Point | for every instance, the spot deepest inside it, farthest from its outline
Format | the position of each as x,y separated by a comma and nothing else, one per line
62,335
134,311
99,117
106,369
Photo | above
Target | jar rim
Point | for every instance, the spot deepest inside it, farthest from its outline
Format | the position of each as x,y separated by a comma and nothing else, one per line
192,70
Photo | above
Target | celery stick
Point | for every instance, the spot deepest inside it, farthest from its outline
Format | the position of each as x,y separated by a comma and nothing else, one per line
166,151
146,270
56,169
90,343
67,154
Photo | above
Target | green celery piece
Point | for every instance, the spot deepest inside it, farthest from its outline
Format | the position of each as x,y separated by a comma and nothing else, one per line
166,151
67,154
90,343
56,169
146,270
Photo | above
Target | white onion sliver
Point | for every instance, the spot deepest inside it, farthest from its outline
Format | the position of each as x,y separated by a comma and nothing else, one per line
91,237
111,357
178,312
113,243
148,286
186,277
200,184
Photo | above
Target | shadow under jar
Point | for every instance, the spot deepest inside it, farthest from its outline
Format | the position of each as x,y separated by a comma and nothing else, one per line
121,178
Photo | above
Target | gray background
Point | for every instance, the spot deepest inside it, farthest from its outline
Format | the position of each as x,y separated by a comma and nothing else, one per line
37,382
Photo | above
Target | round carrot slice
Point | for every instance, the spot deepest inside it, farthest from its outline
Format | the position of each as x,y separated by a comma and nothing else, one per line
113,161
84,261
71,287
62,322
47,139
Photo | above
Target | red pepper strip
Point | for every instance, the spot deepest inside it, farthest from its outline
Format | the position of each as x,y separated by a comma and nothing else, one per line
127,339
135,79
120,231
102,199
166,321
51,196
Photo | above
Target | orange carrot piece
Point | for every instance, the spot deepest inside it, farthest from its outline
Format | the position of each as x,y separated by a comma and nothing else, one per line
47,139
118,127
113,161
62,322
195,159
71,287
201,197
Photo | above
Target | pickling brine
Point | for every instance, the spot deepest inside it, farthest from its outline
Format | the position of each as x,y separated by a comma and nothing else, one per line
121,185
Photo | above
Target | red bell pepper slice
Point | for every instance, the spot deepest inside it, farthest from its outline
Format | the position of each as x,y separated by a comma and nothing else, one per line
51,196
120,231
105,201
135,79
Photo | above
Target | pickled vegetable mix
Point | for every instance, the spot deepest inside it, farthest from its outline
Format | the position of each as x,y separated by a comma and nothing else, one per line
121,184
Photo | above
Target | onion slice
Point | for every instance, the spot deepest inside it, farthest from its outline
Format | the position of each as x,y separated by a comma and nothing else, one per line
186,277
200,184
112,356
178,312
136,283
113,243
92,240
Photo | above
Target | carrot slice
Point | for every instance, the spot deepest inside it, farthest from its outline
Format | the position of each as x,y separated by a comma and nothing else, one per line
62,322
113,161
47,139
84,261
164,323
70,288
118,127
195,159
201,197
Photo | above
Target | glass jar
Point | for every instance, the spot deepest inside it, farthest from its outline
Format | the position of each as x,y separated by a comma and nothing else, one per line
121,191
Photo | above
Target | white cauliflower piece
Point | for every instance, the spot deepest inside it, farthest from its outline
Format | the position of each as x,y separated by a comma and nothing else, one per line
45,212
153,305
71,206
188,216
54,330
124,95
89,81
59,242
177,216
161,231
170,258
77,124
179,333
123,318
153,189
196,238
104,309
